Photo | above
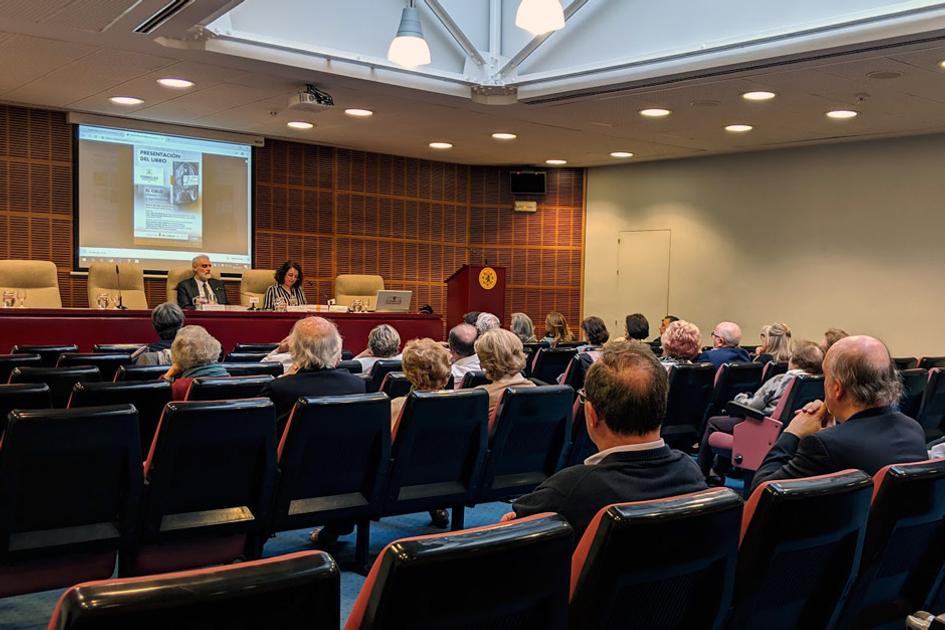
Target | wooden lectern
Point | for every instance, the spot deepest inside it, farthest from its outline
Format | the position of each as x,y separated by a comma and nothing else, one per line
475,288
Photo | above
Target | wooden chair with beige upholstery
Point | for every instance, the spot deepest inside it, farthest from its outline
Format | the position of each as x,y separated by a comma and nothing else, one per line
36,277
355,286
103,278
254,285
177,275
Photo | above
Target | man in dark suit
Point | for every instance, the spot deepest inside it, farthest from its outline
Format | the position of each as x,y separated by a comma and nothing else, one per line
854,426
725,339
201,285
315,347
624,406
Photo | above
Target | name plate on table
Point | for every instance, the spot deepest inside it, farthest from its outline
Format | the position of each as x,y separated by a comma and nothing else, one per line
215,307
304,308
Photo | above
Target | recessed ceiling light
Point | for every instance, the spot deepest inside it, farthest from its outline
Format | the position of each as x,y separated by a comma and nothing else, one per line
738,128
502,135
942,63
176,83
299,124
556,162
125,100
842,114
621,154
759,95
442,146
359,113
654,112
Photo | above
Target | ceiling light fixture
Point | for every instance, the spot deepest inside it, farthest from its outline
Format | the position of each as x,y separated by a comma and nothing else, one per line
655,112
759,95
621,154
556,162
176,83
842,114
408,48
125,100
359,113
300,124
442,146
503,135
738,128
540,16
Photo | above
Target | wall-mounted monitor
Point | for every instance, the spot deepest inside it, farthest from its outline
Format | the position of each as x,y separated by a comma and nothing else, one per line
527,182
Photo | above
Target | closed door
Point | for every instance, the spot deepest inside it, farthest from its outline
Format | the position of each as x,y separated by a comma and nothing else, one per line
643,276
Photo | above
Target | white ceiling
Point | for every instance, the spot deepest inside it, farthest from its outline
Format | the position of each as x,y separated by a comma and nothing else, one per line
54,54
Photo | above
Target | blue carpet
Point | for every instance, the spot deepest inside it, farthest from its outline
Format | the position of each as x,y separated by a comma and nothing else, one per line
32,612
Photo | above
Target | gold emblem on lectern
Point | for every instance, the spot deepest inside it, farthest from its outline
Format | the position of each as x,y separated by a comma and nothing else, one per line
488,278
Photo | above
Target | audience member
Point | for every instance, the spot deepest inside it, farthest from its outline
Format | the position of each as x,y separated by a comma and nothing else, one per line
463,351
656,344
201,287
287,288
523,327
167,319
315,346
281,354
502,358
637,327
775,343
427,367
808,358
486,322
854,426
624,406
194,352
725,339
596,335
680,342
556,329
383,343
471,317
832,336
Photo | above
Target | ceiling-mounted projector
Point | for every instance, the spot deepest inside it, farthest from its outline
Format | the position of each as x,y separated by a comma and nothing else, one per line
311,99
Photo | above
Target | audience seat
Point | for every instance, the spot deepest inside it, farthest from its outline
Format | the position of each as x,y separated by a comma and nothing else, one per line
931,413
292,592
914,382
334,457
438,448
48,353
801,541
71,491
731,379
272,368
210,474
148,398
666,563
140,372
529,441
351,365
395,385
112,348
60,380
10,361
690,388
38,278
346,355
575,373
227,387
530,349
22,396
355,286
932,362
253,284
245,357
107,363
379,371
772,369
904,548
550,363
103,278
255,347
474,378
509,575
905,363
581,445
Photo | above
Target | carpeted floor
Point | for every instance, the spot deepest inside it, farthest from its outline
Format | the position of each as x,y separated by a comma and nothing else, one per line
32,612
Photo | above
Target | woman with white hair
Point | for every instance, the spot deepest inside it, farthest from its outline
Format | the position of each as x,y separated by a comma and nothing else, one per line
167,319
502,358
383,343
523,327
194,353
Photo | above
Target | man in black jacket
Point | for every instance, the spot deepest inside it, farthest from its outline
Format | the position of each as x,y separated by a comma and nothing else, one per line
201,285
854,426
624,406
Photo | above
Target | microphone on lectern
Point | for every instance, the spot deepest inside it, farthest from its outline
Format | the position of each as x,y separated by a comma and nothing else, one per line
121,305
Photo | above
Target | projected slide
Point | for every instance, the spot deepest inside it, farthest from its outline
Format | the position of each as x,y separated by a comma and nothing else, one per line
159,200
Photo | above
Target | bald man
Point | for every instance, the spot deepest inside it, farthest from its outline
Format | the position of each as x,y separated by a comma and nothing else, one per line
725,339
462,352
854,426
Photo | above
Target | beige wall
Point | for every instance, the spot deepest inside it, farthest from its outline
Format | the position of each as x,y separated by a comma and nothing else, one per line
849,235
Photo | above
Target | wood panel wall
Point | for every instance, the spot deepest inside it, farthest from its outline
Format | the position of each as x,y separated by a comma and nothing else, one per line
334,211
